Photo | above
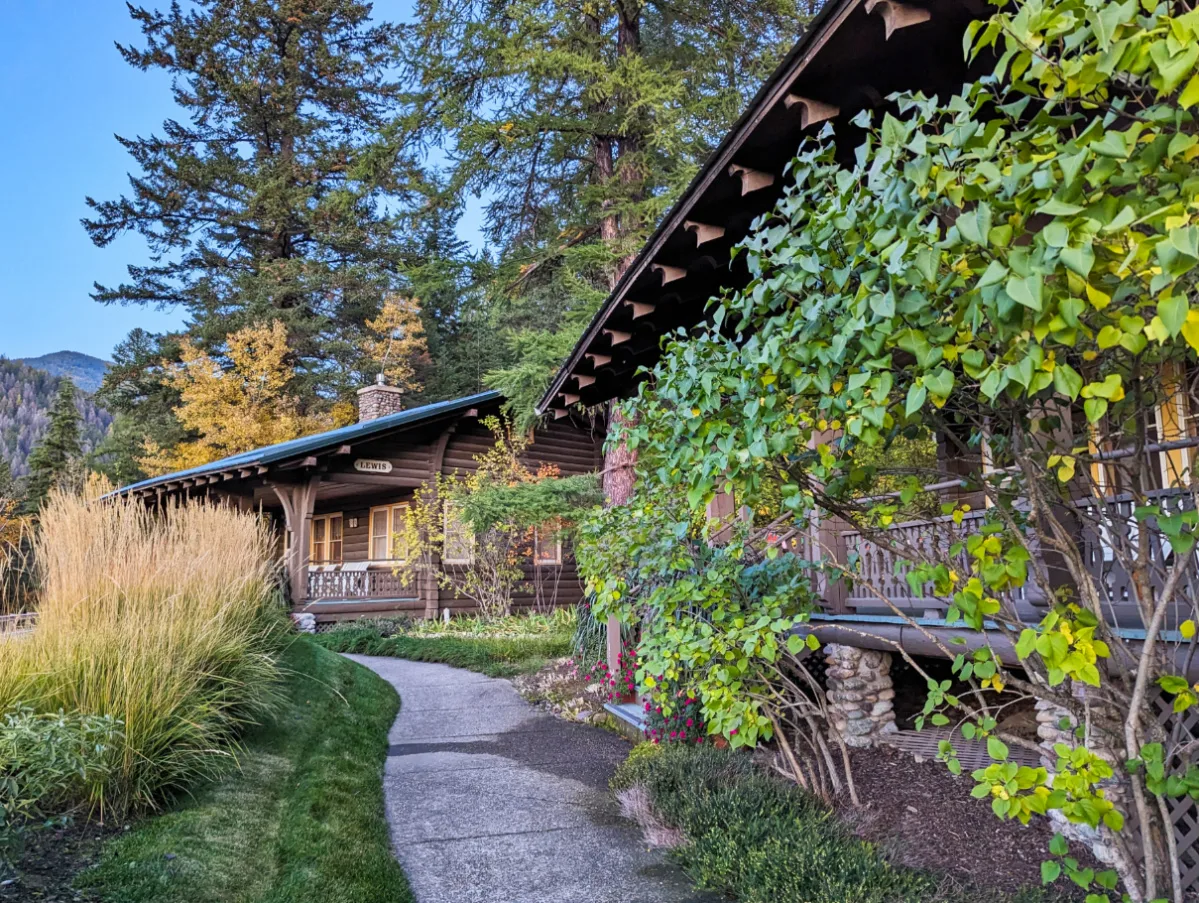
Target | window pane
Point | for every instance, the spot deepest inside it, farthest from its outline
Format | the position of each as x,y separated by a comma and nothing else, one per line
379,535
318,540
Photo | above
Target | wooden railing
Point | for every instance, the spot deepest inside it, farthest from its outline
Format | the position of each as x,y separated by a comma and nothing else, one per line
376,584
18,623
873,558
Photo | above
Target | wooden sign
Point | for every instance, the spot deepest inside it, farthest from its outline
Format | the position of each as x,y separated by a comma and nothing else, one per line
369,465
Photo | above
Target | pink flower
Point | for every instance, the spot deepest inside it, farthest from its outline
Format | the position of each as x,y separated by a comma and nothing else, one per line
690,722
733,731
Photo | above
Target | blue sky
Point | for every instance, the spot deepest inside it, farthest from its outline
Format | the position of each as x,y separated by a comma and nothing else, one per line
65,92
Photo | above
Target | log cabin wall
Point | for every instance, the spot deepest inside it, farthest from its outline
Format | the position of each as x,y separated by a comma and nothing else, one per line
351,470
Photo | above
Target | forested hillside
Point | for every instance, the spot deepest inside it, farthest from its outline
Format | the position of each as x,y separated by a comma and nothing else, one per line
26,395
86,372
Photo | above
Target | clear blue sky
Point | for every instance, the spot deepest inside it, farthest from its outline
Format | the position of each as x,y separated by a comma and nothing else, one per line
65,92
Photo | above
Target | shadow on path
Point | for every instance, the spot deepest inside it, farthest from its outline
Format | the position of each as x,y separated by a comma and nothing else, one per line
491,801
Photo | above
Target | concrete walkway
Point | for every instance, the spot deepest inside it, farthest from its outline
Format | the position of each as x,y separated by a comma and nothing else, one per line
492,801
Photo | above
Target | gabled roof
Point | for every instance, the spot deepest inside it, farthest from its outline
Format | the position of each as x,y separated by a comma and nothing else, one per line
854,54
298,449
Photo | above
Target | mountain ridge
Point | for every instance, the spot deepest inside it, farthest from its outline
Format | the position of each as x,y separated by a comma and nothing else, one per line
85,371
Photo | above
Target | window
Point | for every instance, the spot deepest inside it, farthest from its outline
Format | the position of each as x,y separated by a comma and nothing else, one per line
459,545
325,544
547,545
387,533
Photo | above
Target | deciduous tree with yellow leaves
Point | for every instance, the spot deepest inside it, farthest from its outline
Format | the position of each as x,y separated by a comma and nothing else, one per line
233,408
396,343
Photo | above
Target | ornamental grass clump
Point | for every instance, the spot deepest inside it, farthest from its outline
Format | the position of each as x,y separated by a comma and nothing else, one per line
168,622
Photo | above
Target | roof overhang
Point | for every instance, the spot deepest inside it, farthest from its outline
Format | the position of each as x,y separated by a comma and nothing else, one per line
852,56
297,456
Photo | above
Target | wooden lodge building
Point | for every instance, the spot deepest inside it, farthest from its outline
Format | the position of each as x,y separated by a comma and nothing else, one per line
854,54
336,497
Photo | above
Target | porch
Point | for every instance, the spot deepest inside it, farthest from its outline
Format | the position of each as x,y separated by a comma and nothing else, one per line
878,588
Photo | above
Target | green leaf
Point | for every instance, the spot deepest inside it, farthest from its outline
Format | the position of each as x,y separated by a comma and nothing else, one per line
1190,94
1055,207
993,275
1067,381
917,395
997,749
795,644
1050,871
1173,312
1078,260
1187,629
1026,290
1059,846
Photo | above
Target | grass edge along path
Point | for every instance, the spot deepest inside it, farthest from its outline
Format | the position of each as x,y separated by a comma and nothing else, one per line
500,656
302,819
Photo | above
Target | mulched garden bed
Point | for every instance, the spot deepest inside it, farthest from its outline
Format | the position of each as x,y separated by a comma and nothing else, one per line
924,817
50,862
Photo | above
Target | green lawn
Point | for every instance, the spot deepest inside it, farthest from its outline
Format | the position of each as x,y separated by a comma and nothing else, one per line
301,821
495,656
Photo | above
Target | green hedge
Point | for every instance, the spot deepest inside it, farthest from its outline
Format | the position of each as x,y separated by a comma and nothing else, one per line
760,840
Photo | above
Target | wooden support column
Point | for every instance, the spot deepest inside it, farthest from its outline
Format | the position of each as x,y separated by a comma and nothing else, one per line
298,500
618,490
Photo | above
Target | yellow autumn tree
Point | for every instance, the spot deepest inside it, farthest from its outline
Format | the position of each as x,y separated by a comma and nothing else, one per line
396,342
235,407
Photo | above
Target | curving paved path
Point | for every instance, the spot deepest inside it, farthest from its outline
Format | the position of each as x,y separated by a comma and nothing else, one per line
492,801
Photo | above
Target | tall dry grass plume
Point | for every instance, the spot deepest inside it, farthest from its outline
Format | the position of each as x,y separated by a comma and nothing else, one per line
167,621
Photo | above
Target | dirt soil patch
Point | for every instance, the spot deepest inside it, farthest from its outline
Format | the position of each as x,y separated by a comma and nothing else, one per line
50,862
561,690
924,817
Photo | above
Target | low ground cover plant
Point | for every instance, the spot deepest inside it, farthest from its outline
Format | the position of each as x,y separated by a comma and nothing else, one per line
740,831
519,646
301,820
168,622
48,763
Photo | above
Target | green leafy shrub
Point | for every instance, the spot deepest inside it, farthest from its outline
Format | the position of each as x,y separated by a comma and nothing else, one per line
49,764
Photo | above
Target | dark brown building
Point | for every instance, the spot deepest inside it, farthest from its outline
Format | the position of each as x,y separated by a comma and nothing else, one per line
337,497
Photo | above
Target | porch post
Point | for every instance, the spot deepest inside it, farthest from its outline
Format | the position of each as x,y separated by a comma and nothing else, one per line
298,503
618,490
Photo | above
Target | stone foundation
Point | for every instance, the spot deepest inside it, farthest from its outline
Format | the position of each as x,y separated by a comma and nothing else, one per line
304,622
860,694
1056,725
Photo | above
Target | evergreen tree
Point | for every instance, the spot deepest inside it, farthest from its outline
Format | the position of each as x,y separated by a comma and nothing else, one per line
59,450
579,123
277,197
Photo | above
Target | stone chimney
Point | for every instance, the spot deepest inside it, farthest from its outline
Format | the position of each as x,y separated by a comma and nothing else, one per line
379,400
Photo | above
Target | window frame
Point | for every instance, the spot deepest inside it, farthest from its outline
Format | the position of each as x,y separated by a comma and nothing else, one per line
391,509
327,541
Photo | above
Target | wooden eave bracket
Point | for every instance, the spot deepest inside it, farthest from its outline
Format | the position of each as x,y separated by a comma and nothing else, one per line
598,360
811,112
584,380
897,15
704,232
569,399
559,413
640,309
669,274
617,337
751,179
